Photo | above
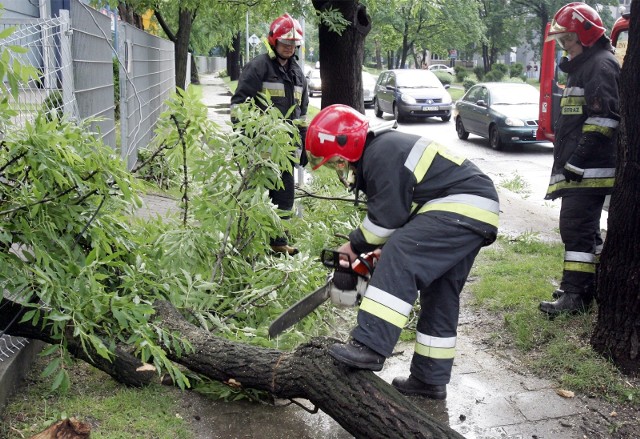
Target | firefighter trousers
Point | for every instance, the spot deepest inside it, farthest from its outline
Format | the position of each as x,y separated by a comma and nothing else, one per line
430,256
283,198
580,233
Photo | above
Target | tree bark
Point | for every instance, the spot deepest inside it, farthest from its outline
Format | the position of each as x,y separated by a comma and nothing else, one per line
124,367
617,331
185,23
361,402
233,58
341,56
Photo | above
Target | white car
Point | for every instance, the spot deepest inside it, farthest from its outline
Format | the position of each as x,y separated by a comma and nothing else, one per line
442,68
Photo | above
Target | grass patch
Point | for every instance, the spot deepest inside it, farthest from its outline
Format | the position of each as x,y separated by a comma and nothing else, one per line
516,184
113,410
513,276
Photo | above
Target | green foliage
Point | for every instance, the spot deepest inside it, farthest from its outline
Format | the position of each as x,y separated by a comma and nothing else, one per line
461,73
496,74
445,78
516,70
333,20
468,83
479,72
52,106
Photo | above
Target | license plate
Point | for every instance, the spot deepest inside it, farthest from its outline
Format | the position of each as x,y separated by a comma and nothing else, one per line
429,108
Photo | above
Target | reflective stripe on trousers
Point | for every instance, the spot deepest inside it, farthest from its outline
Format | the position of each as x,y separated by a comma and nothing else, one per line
432,255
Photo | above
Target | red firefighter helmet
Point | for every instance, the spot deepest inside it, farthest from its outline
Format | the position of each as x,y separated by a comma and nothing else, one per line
287,28
337,132
579,18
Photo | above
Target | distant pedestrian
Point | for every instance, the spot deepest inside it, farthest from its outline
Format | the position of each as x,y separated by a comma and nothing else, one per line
278,74
584,150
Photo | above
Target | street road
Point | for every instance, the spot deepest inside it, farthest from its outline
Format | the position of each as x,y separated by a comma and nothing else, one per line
528,163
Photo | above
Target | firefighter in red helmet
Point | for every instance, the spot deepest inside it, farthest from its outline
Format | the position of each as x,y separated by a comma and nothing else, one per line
278,74
584,150
430,212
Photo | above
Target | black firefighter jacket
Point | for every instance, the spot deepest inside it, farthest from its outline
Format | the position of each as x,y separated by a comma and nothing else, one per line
405,175
286,87
586,129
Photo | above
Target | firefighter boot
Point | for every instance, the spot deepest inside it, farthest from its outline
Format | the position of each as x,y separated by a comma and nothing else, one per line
414,387
570,303
355,354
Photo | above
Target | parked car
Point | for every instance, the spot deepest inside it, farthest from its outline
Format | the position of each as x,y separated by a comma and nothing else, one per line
417,93
314,84
442,68
368,88
503,112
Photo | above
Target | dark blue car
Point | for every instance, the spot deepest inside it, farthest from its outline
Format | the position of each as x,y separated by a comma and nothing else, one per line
506,113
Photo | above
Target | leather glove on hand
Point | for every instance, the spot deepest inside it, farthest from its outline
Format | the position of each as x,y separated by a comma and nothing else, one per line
572,173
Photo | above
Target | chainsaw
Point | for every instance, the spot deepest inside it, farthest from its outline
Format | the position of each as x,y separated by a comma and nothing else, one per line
345,287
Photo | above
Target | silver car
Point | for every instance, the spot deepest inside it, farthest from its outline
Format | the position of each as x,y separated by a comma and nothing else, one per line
412,93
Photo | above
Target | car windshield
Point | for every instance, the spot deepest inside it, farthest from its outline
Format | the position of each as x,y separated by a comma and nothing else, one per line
515,95
417,79
315,74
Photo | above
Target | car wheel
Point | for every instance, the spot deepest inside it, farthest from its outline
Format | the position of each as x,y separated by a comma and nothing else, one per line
462,133
310,94
446,118
376,108
396,114
494,138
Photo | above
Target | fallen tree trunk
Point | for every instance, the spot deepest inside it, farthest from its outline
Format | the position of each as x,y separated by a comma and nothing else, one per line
361,402
124,367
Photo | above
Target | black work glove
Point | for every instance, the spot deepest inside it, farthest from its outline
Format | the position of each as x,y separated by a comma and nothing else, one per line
572,173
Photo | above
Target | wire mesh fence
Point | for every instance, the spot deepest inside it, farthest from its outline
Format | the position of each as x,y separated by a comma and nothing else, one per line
47,48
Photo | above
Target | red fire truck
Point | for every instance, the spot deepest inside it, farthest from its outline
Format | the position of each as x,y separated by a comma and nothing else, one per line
552,79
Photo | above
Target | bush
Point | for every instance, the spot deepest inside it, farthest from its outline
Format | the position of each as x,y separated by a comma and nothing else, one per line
479,72
461,74
494,75
516,71
468,83
445,78
503,68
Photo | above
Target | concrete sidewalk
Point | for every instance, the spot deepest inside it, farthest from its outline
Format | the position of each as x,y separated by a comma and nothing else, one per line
488,396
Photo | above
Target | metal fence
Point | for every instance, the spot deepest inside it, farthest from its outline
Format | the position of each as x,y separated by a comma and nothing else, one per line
75,54
147,78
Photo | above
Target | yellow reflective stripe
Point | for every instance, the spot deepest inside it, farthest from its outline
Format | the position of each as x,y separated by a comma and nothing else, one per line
598,129
580,266
571,101
472,206
273,88
443,348
422,155
384,313
373,233
386,306
580,261
602,121
599,183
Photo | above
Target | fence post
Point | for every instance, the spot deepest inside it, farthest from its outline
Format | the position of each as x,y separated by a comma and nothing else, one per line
66,66
123,58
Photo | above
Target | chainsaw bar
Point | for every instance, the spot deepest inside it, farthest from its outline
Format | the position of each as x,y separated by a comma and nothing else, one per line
300,309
